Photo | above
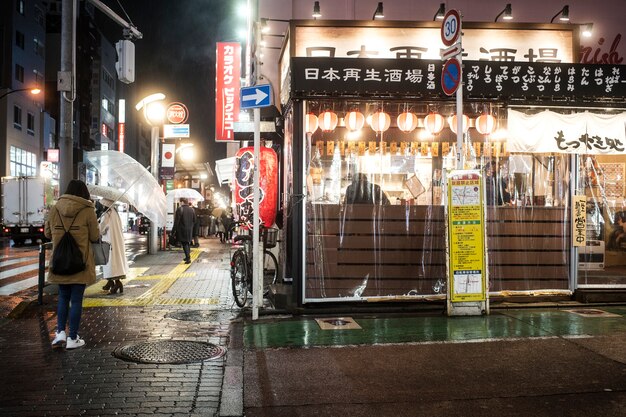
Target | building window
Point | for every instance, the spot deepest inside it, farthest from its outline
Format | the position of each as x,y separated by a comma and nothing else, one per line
19,39
19,73
30,124
22,162
39,47
17,117
20,7
39,16
108,80
106,131
108,105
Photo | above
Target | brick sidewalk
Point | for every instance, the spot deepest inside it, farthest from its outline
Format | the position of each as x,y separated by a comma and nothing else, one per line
90,381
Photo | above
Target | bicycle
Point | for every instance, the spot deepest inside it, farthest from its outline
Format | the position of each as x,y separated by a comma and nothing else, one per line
242,261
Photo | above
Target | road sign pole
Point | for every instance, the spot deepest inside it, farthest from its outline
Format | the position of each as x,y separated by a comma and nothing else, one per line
256,281
459,107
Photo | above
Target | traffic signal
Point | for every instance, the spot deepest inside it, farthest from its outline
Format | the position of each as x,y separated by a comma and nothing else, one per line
125,65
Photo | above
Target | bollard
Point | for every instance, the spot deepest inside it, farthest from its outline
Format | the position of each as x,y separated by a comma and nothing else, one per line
42,271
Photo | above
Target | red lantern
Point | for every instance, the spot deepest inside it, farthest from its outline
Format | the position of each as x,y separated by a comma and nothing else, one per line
380,121
485,124
328,121
354,120
268,185
310,123
407,121
434,123
452,121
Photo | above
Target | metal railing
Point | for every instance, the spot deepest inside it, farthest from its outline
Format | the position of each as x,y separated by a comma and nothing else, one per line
42,270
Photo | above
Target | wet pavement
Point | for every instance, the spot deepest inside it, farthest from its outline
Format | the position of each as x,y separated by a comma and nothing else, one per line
555,359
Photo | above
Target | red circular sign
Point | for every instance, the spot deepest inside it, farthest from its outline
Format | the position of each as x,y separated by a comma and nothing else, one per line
177,113
450,27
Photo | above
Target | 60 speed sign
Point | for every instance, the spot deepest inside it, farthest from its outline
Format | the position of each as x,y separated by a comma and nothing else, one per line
450,27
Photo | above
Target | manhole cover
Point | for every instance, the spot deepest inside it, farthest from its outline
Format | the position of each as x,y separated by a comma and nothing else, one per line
192,315
592,312
169,351
337,322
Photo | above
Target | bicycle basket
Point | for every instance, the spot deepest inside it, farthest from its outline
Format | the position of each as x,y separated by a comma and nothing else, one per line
269,237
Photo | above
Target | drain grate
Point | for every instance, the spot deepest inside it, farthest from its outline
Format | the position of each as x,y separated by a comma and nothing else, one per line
192,315
336,322
169,351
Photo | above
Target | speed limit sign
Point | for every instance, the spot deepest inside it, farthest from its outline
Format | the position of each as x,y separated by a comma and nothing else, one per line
450,27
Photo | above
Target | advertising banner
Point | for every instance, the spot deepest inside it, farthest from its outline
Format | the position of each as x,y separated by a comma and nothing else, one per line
466,228
227,76
268,185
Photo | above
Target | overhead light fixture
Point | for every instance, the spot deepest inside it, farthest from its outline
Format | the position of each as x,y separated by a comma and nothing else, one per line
507,13
564,14
316,10
586,29
379,14
264,27
441,12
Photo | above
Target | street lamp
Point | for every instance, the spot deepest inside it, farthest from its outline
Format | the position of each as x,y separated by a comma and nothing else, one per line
33,91
154,113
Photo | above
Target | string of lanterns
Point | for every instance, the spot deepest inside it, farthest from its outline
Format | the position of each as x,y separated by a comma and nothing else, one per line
407,122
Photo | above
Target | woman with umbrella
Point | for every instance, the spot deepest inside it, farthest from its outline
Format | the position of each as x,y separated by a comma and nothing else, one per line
111,229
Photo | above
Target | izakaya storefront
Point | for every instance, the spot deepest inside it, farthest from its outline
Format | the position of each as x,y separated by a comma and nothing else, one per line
370,141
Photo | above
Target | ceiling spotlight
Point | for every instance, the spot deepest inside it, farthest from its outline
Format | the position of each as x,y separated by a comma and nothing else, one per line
316,10
564,14
587,29
441,12
378,14
506,14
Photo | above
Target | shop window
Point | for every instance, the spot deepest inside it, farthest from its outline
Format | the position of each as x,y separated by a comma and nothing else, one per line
17,117
30,124
19,39
19,73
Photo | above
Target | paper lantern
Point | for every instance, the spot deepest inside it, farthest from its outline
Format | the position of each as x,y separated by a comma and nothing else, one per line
407,121
380,121
328,120
452,121
434,123
485,124
354,120
310,123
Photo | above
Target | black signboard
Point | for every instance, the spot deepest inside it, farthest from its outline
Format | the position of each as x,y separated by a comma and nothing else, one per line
482,79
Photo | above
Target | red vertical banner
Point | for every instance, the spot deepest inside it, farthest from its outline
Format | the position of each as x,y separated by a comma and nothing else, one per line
268,185
227,74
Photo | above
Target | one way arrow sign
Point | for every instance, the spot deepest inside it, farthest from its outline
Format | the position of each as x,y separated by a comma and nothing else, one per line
256,96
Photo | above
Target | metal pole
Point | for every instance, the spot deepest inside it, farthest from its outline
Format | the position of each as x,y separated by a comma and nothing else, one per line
459,107
153,242
66,134
257,282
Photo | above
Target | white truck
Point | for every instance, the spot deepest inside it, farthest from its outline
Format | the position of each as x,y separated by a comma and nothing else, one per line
25,204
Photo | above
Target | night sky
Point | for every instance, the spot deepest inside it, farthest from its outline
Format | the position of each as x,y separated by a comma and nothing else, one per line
177,57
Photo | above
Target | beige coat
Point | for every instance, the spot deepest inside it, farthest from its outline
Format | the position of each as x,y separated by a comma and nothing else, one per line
111,229
84,230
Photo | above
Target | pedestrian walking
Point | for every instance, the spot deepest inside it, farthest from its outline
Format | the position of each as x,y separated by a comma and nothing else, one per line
111,229
75,213
184,220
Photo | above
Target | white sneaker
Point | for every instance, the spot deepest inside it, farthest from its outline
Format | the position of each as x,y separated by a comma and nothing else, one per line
74,343
59,339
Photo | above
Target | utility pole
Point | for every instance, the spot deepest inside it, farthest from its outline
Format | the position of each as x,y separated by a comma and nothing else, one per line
66,84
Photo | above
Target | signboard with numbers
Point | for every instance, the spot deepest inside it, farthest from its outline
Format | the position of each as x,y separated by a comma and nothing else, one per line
450,27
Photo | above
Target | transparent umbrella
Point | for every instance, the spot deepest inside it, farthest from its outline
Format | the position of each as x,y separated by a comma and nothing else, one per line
110,193
124,173
188,193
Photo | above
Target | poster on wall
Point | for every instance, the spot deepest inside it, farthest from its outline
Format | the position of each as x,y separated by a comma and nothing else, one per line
466,231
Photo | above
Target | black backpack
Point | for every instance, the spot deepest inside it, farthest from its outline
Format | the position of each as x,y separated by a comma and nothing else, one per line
67,258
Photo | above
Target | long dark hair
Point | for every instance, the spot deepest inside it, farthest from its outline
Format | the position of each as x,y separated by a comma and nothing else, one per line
78,188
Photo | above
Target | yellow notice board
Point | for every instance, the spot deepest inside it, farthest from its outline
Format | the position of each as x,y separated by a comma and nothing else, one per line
467,242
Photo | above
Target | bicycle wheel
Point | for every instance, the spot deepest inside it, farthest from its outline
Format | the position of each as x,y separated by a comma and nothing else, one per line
270,271
239,277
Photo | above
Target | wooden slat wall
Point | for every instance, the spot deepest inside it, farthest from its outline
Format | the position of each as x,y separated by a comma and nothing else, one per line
393,249
528,248
397,250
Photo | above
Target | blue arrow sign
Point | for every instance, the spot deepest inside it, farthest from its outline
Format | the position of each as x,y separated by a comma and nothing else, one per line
256,96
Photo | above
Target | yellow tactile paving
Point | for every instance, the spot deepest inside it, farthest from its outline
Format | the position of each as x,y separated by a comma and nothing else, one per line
153,295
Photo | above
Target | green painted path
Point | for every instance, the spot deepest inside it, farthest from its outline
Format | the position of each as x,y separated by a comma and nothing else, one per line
305,331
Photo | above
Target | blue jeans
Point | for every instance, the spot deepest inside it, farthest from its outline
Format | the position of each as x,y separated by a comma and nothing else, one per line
70,300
